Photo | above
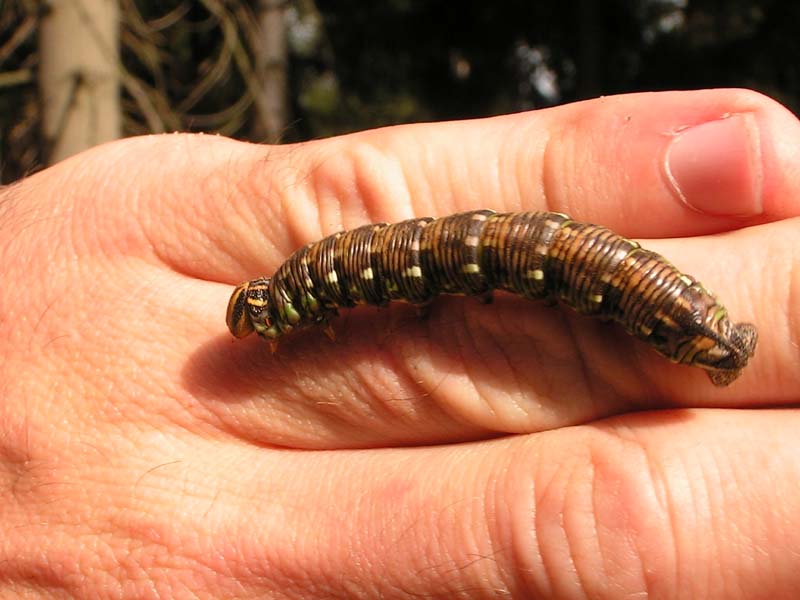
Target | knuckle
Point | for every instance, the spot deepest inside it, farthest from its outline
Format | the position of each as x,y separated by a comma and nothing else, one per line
591,522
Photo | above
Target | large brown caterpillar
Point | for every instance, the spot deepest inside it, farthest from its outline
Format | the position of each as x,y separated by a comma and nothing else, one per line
537,255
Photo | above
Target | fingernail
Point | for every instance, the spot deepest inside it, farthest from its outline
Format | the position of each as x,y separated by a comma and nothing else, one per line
715,167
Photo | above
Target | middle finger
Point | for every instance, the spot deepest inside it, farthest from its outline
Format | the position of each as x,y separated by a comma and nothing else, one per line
473,370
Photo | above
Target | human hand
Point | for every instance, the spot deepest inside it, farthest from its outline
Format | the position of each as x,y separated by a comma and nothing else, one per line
145,453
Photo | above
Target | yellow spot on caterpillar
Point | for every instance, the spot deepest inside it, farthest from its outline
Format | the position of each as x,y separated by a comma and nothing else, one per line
471,268
415,271
478,217
597,298
687,280
472,241
536,274
292,315
646,330
366,273
332,277
256,302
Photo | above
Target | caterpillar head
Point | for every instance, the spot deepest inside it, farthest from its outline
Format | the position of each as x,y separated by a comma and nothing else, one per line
248,308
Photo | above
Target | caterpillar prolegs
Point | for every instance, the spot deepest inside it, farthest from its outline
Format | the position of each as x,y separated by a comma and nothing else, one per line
538,255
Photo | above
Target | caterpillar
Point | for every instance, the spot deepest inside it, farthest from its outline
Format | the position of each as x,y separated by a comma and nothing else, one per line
537,255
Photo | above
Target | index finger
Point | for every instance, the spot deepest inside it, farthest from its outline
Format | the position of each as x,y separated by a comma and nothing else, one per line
670,164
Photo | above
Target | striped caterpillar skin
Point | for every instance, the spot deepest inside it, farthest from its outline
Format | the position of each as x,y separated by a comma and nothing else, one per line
538,255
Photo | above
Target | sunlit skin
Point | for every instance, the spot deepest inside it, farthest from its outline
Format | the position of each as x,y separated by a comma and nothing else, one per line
503,450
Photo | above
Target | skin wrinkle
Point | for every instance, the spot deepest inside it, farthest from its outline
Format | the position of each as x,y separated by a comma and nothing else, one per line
382,182
486,522
244,213
632,444
408,411
477,349
418,186
661,493
551,170
676,526
147,539
695,489
594,531
485,351
532,348
266,252
576,343
454,180
575,479
433,392
367,180
539,490
793,301
218,245
317,181
332,421
247,202
498,510
405,414
473,349
506,174
714,494
371,412
165,328
544,393
511,400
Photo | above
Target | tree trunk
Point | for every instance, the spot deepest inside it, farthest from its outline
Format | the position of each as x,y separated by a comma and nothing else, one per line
79,75
271,67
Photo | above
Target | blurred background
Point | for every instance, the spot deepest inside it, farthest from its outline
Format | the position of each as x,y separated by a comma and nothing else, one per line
75,73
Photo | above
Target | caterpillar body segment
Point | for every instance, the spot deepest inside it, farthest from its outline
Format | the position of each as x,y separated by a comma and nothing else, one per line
538,255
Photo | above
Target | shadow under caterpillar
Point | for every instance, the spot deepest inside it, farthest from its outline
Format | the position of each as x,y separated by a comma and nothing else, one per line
538,255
